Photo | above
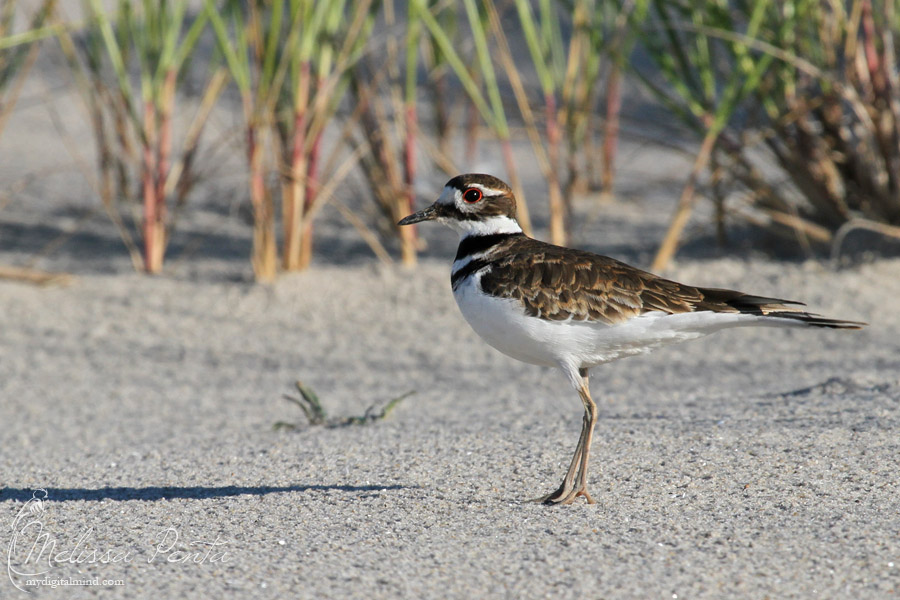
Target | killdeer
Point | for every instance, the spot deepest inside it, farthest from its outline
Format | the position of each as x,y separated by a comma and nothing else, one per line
566,308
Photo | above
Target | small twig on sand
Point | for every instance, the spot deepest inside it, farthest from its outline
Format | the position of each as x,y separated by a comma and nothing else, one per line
859,223
34,276
315,414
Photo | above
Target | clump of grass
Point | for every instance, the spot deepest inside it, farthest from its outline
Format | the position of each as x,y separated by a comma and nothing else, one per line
570,72
812,87
333,36
290,60
387,132
128,68
315,413
569,69
249,40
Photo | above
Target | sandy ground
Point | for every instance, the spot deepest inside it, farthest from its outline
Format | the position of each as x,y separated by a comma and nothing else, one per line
753,464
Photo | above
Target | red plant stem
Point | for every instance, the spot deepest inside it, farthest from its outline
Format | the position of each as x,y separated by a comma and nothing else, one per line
408,235
312,183
558,216
296,203
312,187
165,142
299,140
256,181
263,265
886,126
262,254
149,189
552,129
611,128
873,61
299,146
293,204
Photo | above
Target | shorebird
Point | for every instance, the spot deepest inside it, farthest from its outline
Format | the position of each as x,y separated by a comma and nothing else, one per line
561,307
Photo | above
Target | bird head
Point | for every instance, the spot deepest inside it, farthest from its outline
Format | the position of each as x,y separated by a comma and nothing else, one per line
472,204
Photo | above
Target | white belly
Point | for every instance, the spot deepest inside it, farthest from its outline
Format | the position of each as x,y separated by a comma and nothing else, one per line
503,324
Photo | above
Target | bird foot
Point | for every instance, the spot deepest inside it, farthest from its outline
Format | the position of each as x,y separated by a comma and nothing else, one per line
564,496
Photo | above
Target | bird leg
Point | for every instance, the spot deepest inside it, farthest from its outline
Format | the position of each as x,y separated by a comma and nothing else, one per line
575,482
565,489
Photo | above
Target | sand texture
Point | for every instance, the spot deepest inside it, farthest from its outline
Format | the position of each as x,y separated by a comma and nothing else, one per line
758,463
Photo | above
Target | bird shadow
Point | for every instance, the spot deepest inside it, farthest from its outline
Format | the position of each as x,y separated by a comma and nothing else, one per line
156,493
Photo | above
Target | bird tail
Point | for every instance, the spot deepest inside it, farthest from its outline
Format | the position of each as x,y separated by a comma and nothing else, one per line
719,300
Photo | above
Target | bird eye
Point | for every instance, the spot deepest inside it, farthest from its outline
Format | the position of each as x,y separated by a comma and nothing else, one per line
472,195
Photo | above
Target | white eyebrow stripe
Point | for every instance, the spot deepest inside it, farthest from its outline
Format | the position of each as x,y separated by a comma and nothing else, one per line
486,191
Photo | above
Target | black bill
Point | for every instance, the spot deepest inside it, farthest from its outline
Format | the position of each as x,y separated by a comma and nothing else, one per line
426,214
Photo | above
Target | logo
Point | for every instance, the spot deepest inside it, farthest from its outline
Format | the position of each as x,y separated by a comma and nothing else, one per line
35,556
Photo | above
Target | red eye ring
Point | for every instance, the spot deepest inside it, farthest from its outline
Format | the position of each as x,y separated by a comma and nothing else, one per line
472,195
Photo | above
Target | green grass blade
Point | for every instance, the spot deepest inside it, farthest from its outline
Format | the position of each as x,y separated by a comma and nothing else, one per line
538,59
456,63
273,36
237,62
486,66
189,42
113,50
29,37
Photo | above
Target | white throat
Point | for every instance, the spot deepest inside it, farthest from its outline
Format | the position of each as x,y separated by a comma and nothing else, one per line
489,226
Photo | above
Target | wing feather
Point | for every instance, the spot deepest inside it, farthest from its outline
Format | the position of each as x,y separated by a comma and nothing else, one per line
558,283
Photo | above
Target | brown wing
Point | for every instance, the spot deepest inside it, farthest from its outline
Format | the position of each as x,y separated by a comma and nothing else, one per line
558,283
